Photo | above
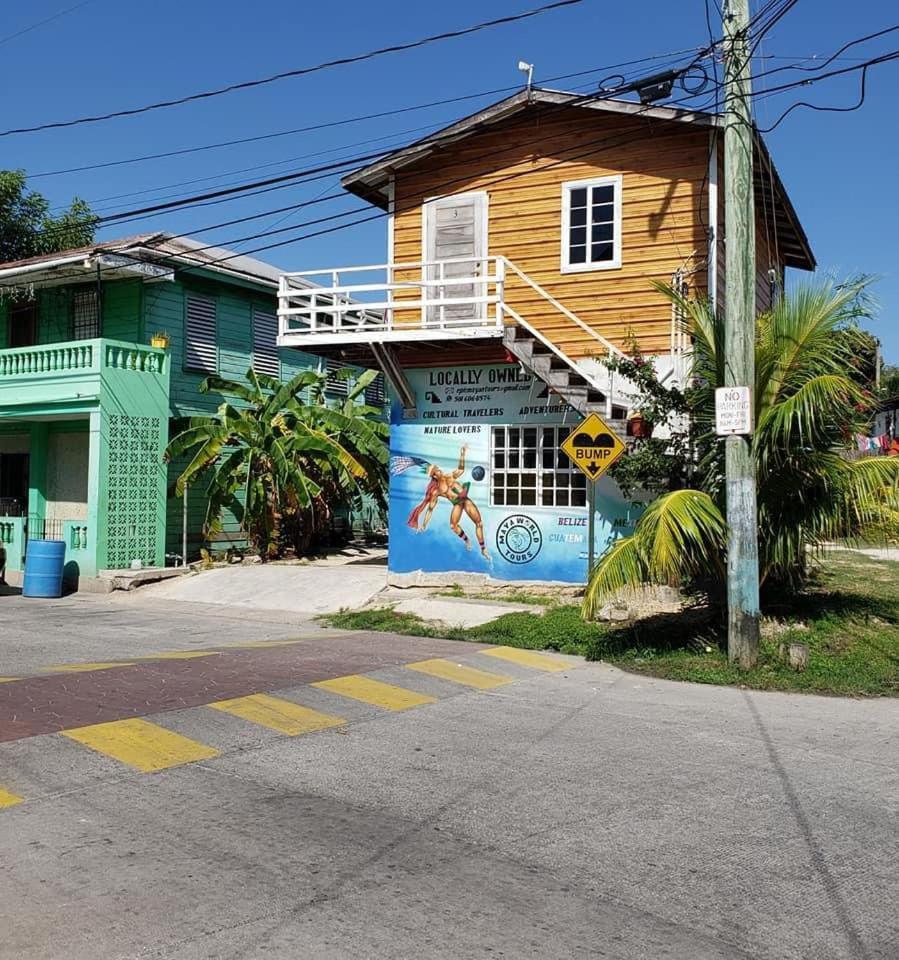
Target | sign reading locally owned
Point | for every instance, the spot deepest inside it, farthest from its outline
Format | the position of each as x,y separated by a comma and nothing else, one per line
593,446
733,410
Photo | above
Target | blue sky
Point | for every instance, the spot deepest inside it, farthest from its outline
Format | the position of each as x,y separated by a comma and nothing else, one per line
839,168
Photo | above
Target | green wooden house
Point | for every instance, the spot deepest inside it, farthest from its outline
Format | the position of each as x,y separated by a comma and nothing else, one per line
86,400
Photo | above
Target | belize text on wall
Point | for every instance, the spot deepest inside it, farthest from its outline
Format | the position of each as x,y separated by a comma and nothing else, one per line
479,484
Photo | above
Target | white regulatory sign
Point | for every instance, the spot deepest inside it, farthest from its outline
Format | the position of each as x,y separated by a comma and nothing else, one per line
733,410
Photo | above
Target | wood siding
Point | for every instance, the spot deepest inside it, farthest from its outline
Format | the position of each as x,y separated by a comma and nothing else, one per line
523,162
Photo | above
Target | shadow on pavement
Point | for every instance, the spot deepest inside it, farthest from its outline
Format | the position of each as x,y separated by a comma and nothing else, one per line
816,856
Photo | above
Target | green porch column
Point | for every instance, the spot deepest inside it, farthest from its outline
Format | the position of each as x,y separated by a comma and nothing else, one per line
37,474
96,492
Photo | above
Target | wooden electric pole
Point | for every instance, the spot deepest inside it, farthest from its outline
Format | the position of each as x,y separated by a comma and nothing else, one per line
739,336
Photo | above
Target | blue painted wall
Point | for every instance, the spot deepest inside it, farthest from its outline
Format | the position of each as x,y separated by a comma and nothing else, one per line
524,537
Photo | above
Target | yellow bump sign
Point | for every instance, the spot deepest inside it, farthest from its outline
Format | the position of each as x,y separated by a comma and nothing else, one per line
593,446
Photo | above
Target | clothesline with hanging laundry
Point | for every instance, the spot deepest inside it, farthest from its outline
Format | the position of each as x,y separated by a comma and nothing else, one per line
882,444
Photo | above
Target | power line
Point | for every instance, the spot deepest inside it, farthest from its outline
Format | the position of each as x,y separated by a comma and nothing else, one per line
41,23
835,56
258,166
274,183
348,120
303,71
590,145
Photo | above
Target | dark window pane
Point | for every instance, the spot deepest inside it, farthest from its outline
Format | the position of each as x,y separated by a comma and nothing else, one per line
602,231
579,217
603,194
577,235
602,251
579,197
499,479
499,497
528,498
514,458
514,435
548,479
562,498
578,480
547,498
530,459
577,255
529,479
530,436
512,498
549,457
512,480
562,460
499,459
603,214
578,498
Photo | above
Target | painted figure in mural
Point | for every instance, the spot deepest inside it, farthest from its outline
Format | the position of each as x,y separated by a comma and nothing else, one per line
449,486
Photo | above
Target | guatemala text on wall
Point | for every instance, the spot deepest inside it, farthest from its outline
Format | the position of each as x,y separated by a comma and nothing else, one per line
479,485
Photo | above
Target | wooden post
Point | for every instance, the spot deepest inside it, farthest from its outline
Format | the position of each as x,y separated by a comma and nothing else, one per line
739,337
184,527
591,527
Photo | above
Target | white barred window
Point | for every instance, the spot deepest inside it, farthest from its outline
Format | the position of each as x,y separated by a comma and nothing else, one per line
530,470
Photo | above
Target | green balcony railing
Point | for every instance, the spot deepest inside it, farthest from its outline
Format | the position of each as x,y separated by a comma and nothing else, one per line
79,356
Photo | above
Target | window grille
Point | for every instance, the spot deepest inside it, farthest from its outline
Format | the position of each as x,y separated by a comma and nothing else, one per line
84,314
530,469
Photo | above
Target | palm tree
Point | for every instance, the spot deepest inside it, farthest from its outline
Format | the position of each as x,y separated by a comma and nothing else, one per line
808,407
269,454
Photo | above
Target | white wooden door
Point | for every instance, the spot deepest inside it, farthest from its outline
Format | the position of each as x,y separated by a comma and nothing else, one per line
456,237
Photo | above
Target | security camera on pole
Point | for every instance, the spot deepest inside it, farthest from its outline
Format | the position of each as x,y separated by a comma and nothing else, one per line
739,342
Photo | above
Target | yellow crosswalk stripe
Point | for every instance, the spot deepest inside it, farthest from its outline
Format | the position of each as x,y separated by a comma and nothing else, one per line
8,799
459,673
85,667
141,744
179,655
276,714
9,679
262,643
527,658
375,692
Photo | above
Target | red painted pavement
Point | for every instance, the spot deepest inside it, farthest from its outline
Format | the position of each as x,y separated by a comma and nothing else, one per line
47,704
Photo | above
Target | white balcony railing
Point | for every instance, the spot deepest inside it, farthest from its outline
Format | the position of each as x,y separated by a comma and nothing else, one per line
439,299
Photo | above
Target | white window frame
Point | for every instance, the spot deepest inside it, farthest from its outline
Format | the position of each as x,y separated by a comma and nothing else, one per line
569,471
614,181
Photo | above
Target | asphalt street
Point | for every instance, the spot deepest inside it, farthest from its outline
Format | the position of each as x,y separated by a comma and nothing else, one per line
179,784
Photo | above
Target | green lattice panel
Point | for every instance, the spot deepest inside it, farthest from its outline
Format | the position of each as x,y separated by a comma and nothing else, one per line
133,489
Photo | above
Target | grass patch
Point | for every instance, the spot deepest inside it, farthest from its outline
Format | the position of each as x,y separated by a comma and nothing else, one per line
849,618
510,596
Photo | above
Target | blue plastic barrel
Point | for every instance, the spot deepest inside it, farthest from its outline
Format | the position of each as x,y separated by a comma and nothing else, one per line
44,562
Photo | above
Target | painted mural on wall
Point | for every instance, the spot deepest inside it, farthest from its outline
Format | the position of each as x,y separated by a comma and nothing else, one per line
478,484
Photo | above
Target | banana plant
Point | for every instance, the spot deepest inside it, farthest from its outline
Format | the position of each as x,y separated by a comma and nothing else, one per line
276,450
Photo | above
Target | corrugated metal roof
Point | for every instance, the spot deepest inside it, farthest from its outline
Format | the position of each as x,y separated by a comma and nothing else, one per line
161,246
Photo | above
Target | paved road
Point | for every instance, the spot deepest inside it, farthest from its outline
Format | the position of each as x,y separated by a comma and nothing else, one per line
368,796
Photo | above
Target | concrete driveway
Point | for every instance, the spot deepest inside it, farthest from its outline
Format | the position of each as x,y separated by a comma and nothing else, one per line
322,586
553,809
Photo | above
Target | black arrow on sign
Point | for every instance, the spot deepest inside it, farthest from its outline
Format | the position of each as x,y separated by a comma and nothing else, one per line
593,468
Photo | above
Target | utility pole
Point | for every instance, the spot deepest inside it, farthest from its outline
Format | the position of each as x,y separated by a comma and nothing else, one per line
739,337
